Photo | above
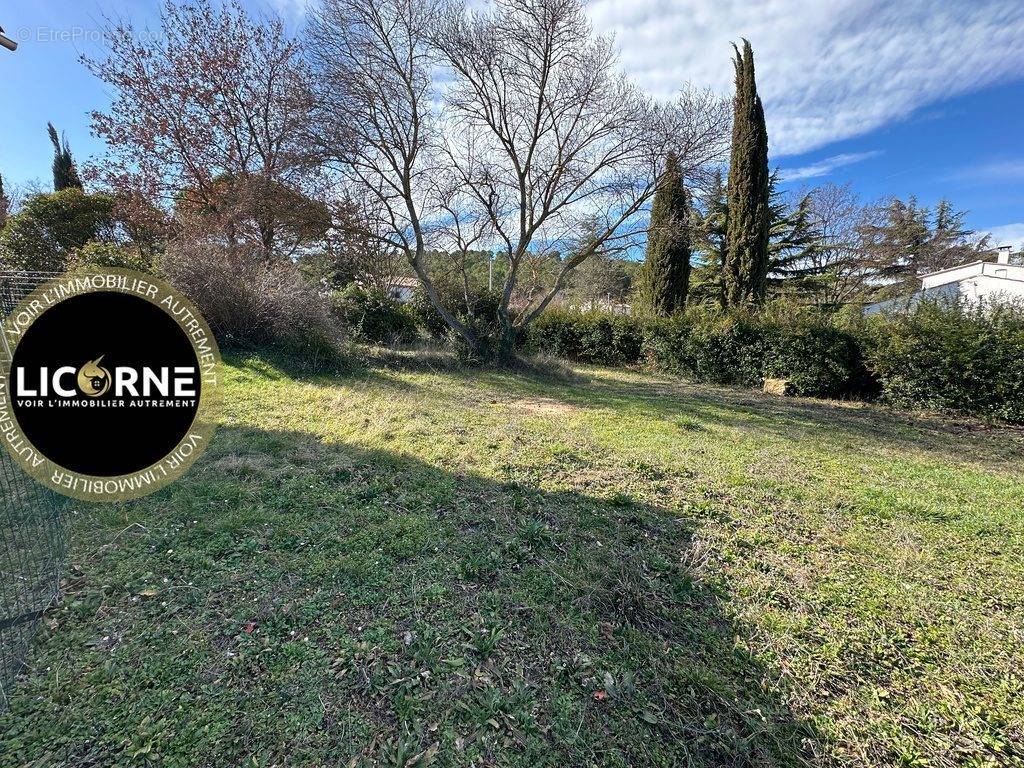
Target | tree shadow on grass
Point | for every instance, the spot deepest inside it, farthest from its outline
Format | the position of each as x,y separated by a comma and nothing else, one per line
301,603
949,438
944,437
275,365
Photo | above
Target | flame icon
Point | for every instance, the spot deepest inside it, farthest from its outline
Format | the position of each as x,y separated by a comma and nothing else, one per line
93,380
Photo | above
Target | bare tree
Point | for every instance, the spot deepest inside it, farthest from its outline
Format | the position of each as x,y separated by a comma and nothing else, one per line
210,114
511,124
5,204
349,254
377,121
835,214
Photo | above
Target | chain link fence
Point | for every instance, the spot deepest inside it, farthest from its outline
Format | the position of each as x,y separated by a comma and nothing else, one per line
33,526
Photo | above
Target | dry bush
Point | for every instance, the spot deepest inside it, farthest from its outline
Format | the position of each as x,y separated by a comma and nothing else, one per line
250,299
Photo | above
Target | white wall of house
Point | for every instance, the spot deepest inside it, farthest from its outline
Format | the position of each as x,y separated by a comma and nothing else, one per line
401,293
981,282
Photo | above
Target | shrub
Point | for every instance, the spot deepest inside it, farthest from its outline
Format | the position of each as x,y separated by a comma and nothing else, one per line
43,235
707,344
249,299
370,315
818,355
97,253
480,314
724,347
938,357
665,343
952,358
587,337
817,360
478,311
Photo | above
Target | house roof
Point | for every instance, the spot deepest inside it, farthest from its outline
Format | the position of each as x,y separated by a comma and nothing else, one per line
404,282
1009,267
951,269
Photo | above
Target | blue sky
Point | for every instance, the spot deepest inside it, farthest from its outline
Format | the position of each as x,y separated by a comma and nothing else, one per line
921,97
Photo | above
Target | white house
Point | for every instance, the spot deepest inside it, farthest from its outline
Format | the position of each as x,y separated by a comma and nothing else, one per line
403,289
980,282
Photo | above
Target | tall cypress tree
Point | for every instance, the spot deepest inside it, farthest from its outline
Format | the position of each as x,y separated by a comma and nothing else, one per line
664,278
65,174
746,254
5,204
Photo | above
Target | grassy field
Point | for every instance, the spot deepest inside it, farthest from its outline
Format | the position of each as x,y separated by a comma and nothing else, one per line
407,567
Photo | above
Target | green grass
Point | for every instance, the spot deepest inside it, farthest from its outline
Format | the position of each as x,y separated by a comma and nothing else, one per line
411,568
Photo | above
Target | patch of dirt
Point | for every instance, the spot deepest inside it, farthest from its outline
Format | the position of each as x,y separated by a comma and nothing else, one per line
542,406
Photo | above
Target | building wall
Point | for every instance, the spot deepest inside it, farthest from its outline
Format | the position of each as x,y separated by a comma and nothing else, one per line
981,282
951,275
401,293
991,289
988,269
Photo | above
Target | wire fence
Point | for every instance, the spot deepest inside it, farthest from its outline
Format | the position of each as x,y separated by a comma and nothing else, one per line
33,527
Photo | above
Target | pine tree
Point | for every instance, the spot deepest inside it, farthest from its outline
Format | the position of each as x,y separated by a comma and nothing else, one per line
900,241
951,242
665,275
894,239
793,242
709,233
65,174
746,256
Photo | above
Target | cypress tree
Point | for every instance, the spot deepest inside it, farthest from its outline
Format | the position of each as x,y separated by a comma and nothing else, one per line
5,204
65,174
665,275
746,254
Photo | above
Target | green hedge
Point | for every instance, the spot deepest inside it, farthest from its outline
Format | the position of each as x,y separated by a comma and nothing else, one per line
818,358
710,345
481,314
588,337
370,315
950,358
935,357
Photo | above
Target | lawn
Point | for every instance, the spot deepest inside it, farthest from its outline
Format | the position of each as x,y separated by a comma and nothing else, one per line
401,566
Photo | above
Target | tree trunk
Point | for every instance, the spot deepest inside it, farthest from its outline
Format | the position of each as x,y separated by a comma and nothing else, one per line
505,352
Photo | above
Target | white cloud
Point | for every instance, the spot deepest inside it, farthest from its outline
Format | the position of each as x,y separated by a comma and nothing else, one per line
1008,234
1001,170
826,166
827,70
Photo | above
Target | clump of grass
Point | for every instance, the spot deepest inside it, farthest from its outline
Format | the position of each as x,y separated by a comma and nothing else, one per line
688,424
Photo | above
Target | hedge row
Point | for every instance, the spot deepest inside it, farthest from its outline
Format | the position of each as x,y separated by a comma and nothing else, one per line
723,348
936,357
951,359
373,316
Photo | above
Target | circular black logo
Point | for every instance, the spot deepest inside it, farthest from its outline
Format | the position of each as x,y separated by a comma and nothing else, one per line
109,384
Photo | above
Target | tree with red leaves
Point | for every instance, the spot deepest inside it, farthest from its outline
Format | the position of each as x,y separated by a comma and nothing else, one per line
209,116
